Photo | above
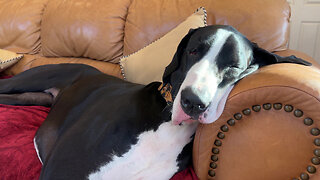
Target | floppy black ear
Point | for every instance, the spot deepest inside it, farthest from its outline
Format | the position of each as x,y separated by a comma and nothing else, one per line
175,63
263,57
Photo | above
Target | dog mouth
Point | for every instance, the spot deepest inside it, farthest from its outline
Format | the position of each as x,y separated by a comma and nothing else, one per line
187,122
211,114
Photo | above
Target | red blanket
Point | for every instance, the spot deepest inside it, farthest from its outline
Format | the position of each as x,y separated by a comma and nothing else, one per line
18,158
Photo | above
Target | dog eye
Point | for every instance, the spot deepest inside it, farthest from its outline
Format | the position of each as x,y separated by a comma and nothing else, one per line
193,52
234,67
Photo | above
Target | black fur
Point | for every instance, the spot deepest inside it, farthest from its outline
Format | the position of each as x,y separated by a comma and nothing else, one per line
84,110
108,113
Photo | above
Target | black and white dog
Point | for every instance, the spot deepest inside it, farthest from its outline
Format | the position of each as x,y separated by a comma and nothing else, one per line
101,127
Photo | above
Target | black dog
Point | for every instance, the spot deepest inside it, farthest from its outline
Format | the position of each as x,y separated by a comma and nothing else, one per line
101,127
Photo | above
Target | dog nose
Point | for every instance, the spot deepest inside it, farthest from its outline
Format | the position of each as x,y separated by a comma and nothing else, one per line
191,103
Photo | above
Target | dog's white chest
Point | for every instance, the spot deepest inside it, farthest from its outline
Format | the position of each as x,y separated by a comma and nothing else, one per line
153,157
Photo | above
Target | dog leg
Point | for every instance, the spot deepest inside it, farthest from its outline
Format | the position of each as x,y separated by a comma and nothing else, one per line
28,99
43,79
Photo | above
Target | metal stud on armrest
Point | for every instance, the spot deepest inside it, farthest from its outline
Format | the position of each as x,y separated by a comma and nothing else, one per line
246,112
308,121
256,108
267,106
298,113
315,131
237,116
288,108
277,106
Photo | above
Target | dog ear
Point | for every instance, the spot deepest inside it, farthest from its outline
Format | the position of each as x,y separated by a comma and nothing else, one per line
263,57
175,63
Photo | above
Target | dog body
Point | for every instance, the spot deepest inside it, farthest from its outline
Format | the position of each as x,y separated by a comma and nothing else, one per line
101,127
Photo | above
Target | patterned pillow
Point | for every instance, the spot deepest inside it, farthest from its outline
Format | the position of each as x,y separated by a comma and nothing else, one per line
148,64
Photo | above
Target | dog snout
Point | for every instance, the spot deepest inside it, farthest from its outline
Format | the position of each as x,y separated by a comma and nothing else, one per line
191,103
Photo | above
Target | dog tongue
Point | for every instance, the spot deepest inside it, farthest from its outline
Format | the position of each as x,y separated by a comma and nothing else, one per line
180,116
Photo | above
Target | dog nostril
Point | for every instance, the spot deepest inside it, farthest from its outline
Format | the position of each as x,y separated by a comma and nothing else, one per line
185,103
201,107
190,102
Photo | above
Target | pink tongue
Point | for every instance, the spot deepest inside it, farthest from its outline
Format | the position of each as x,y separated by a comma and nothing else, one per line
180,116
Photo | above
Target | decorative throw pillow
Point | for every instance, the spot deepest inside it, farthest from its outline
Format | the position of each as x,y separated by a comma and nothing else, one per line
8,58
148,64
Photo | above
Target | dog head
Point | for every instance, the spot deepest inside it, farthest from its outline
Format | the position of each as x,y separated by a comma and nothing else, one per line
207,64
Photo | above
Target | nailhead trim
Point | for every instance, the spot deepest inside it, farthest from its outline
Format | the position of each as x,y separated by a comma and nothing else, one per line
315,161
267,106
316,152
215,150
246,112
311,169
231,122
288,108
304,176
224,128
277,106
214,158
218,143
256,108
317,142
211,173
298,113
221,135
315,131
213,165
237,116
308,121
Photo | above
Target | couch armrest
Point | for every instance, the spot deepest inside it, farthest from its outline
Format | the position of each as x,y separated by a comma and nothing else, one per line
271,139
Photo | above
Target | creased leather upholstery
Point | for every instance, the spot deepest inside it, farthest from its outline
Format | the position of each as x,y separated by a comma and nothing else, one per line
20,25
104,30
264,22
81,28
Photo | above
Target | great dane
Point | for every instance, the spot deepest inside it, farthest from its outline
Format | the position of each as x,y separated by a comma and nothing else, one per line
101,127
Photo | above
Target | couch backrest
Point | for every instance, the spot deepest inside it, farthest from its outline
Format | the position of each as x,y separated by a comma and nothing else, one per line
107,29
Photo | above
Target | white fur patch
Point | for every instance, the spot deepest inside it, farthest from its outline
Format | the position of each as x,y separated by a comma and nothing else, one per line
153,157
36,148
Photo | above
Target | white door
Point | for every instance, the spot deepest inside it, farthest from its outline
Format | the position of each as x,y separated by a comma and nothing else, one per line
305,27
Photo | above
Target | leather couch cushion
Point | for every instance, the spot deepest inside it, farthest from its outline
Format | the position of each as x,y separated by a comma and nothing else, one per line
148,64
20,25
265,22
81,28
105,67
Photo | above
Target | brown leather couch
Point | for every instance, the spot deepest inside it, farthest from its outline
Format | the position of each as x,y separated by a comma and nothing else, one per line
269,128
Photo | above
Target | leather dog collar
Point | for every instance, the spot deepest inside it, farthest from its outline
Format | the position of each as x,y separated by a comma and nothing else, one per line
165,90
